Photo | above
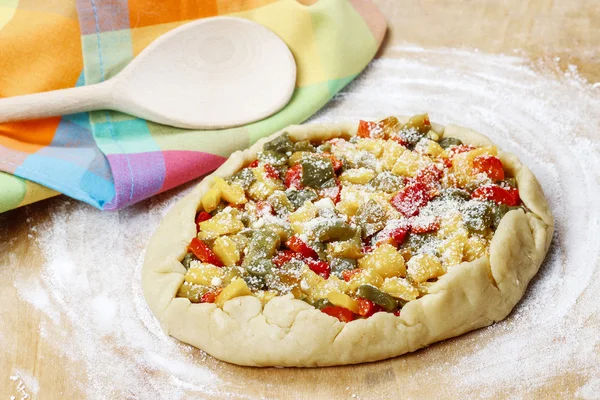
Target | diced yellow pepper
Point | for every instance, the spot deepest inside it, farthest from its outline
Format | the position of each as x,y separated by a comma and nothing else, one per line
434,149
462,164
452,249
311,285
264,186
233,193
424,287
345,249
191,291
410,163
226,250
482,151
400,288
476,247
391,154
357,176
202,274
211,199
305,213
343,300
265,296
423,267
236,288
385,260
224,223
348,207
373,146
450,225
365,277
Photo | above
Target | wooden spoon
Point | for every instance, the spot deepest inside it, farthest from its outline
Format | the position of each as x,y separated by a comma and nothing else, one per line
212,73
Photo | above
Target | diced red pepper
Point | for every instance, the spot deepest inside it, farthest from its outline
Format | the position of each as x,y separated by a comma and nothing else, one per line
508,196
334,192
409,200
365,128
337,164
204,253
463,148
202,216
447,162
319,267
432,226
264,208
429,174
285,256
253,164
210,297
341,313
366,307
395,236
299,246
401,140
397,313
348,274
293,177
489,165
271,172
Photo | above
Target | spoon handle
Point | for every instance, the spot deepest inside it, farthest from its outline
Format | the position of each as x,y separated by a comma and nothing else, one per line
57,102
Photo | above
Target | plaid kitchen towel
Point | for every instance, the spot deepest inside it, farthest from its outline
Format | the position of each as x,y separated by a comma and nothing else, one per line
109,159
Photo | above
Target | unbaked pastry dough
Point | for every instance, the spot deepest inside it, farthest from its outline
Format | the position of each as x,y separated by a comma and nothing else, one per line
290,332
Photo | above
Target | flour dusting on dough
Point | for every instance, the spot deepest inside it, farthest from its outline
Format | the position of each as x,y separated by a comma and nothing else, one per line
91,290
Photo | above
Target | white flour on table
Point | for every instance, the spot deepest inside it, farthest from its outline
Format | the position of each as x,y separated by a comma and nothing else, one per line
91,290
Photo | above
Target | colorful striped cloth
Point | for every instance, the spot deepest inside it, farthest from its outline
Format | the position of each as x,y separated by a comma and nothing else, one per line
109,159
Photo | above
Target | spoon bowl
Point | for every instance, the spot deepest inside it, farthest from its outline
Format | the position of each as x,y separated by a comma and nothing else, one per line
212,73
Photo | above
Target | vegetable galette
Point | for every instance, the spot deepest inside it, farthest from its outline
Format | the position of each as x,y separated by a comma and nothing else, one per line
326,245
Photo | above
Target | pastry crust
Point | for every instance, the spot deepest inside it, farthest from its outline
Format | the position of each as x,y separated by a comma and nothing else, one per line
290,332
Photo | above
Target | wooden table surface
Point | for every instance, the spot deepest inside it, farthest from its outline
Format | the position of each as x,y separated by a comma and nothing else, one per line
569,29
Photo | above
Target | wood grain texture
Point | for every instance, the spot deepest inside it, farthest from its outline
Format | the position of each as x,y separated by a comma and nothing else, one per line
569,29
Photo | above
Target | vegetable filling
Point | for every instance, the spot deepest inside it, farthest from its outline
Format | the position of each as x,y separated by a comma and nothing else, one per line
353,226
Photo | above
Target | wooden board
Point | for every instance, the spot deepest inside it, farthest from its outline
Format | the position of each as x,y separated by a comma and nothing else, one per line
569,29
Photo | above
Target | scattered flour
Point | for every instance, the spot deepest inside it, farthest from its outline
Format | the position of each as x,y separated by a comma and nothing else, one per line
26,385
91,280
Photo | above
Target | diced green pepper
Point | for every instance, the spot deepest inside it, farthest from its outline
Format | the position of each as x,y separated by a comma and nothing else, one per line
449,141
416,241
263,245
324,148
420,123
333,231
260,267
298,197
321,304
387,182
272,157
284,232
317,172
455,194
244,178
305,146
477,215
498,211
281,204
255,282
339,265
371,217
370,292
189,257
511,181
281,144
